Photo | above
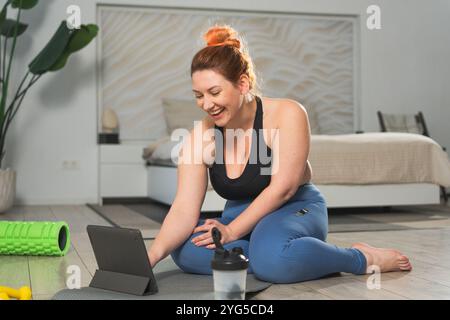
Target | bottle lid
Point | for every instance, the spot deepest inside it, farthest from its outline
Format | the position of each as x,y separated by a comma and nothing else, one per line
227,260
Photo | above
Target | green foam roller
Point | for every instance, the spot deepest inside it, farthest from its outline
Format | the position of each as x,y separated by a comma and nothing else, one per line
34,238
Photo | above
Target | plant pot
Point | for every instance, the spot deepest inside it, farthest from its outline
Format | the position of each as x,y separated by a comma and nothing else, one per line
7,189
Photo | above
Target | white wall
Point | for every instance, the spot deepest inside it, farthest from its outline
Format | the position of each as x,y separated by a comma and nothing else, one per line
404,68
57,120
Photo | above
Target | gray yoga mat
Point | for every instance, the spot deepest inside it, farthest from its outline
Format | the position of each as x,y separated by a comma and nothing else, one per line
173,284
124,217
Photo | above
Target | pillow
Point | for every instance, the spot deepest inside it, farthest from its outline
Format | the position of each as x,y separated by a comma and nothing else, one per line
148,151
165,151
181,113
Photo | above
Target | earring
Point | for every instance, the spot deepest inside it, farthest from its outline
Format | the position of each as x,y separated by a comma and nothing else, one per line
248,97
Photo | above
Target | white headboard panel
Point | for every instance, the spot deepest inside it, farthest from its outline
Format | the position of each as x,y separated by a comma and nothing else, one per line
145,55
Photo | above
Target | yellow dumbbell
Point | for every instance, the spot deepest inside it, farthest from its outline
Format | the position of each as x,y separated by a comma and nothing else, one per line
23,293
4,296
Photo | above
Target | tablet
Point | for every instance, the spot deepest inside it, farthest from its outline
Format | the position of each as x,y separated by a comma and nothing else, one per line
122,260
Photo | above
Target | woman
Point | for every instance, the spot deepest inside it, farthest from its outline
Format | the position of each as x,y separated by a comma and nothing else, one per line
280,220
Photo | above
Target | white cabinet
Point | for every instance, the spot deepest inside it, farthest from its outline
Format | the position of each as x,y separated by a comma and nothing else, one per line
122,171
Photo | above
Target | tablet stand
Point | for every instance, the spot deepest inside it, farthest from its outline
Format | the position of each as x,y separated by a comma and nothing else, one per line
123,282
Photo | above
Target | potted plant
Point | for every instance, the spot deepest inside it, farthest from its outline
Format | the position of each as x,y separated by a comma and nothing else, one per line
53,57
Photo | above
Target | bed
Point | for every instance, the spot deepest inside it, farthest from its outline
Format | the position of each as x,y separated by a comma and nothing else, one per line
351,170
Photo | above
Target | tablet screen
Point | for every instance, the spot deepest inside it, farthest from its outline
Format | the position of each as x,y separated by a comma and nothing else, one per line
120,250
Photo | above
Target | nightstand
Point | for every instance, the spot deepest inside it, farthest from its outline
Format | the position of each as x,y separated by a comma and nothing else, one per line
122,171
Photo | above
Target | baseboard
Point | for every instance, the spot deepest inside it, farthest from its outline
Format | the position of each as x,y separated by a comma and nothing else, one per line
128,200
54,201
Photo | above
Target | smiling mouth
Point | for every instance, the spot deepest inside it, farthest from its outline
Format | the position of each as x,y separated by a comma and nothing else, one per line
217,112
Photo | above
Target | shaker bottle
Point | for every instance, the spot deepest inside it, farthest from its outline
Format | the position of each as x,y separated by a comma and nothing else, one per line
229,270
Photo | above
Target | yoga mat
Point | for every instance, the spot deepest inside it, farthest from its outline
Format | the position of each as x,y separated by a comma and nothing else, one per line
173,284
34,238
121,216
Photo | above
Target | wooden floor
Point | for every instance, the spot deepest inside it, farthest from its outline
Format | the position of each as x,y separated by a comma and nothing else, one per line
427,244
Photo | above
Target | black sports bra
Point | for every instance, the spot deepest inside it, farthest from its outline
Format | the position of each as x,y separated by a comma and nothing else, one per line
256,175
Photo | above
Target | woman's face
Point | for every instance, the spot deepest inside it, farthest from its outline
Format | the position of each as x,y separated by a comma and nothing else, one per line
217,96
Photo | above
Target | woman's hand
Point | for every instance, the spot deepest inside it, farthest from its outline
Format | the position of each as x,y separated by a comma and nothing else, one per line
153,256
206,239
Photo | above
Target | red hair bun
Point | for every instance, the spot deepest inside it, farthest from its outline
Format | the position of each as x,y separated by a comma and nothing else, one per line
222,35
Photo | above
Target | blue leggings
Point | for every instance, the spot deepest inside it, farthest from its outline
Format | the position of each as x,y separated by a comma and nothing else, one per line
286,246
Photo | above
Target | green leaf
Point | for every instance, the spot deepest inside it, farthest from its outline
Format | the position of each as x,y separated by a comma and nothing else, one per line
9,26
52,51
82,37
79,39
61,62
3,15
24,4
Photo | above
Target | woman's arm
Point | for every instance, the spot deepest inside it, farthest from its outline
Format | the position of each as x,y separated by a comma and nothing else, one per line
290,150
185,211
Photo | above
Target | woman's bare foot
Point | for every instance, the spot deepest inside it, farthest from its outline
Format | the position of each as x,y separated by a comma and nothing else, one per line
386,259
